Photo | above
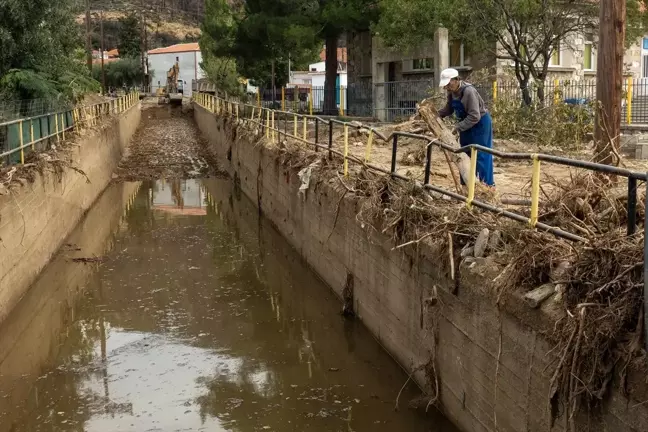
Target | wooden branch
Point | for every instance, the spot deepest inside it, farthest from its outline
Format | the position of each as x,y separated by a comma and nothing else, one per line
430,115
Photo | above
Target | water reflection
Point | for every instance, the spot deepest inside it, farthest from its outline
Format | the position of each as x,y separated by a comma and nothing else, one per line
202,318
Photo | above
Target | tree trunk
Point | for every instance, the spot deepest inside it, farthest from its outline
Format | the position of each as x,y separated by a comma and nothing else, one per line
541,92
609,85
274,88
330,90
526,93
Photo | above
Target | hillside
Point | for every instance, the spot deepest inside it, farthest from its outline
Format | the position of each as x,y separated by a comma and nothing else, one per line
167,21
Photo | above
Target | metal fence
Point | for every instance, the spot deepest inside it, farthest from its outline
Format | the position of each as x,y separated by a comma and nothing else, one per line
15,109
21,136
394,101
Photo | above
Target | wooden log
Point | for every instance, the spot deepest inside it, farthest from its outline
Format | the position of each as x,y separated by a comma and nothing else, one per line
459,161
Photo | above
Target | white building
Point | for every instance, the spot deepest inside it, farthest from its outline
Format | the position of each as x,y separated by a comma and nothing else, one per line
161,60
316,75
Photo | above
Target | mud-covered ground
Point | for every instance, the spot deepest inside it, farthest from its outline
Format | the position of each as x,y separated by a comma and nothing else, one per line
166,145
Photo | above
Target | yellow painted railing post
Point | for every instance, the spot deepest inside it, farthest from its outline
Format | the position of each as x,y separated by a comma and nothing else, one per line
556,92
368,149
494,90
535,191
268,124
472,177
56,128
283,98
305,128
295,118
341,101
22,143
629,92
63,124
274,134
31,133
346,150
253,109
259,98
310,101
237,112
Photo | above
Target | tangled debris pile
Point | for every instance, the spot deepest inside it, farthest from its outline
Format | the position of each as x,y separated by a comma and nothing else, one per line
598,283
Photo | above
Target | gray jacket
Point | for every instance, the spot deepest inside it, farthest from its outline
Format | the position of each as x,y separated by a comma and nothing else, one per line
472,102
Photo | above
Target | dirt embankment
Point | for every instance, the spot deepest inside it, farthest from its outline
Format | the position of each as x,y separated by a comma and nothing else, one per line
166,145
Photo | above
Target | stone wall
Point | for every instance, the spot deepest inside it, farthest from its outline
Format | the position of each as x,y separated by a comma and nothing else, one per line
33,333
37,217
492,365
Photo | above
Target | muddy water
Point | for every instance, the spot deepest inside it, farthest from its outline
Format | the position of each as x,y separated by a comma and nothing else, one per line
199,318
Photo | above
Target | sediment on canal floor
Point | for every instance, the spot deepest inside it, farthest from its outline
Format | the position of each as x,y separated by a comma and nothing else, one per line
486,367
45,200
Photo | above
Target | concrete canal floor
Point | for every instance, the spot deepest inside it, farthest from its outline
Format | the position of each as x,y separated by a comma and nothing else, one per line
173,307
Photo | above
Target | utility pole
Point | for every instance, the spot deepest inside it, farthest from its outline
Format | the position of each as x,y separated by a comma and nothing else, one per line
609,79
142,36
88,37
103,48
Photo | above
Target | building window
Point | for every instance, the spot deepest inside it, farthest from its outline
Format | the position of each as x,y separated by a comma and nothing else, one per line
422,64
588,52
556,55
456,49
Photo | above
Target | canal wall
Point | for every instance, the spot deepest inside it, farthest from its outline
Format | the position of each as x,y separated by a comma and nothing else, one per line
37,216
493,365
35,331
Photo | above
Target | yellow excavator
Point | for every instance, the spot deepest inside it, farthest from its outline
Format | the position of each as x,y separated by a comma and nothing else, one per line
174,90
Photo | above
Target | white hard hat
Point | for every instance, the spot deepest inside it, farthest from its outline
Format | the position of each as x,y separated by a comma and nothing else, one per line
447,75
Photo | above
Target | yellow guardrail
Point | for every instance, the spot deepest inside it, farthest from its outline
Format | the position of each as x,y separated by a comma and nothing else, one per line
23,135
207,101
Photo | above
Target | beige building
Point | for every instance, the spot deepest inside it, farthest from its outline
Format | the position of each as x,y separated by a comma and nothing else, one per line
387,83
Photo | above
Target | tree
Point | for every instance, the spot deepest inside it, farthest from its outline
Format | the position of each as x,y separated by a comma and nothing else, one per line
335,18
260,36
40,51
124,72
130,36
525,32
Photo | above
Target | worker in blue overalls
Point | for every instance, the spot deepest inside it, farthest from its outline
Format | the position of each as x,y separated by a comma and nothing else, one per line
475,125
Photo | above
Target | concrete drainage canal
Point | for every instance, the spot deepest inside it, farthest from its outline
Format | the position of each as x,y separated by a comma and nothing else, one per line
173,307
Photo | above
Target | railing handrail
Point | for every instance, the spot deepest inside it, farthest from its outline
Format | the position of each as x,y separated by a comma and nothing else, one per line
473,149
116,105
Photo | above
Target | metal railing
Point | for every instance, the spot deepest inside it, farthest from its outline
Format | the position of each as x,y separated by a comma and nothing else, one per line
30,134
265,118
391,101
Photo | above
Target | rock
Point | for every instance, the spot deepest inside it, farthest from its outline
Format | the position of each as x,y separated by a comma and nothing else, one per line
468,251
495,240
482,243
535,297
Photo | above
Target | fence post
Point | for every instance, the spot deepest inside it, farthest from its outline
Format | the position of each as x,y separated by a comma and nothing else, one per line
535,191
310,102
31,133
428,162
58,138
295,125
341,101
632,205
494,90
394,151
63,124
283,98
346,150
330,143
259,97
316,134
305,128
556,93
22,150
629,92
472,177
267,126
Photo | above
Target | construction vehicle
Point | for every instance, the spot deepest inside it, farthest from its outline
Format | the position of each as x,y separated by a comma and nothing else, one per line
173,92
